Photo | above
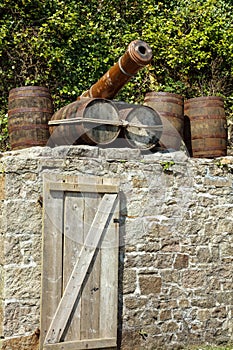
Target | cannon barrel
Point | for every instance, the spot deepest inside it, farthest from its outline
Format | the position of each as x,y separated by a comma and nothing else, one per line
137,56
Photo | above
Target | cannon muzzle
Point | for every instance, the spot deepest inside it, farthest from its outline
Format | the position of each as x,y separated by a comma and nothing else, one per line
137,56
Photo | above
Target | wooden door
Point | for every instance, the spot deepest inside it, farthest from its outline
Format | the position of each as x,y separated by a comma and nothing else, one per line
80,263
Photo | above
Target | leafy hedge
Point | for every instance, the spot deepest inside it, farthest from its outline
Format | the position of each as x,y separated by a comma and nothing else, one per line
67,45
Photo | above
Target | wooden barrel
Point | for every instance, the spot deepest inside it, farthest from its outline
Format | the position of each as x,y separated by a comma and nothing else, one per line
29,110
72,132
208,127
144,125
170,107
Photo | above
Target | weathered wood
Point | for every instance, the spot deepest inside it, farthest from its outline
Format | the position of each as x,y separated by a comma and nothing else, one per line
90,296
77,277
85,120
73,242
89,133
83,344
109,278
80,180
30,109
145,126
170,107
52,257
120,122
84,187
95,310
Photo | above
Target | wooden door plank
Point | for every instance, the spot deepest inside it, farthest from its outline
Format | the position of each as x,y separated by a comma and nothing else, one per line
84,344
91,291
74,180
83,187
73,242
77,277
52,257
109,278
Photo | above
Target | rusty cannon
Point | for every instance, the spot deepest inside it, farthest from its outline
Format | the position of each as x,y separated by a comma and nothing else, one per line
137,56
96,119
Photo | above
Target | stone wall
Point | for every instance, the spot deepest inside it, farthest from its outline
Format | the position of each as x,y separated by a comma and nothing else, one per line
176,244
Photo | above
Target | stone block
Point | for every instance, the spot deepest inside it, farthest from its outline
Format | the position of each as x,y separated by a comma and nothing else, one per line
168,304
129,281
23,216
2,187
169,276
22,249
170,245
203,301
181,261
203,314
150,284
170,327
20,317
140,260
135,231
120,154
139,182
25,185
2,311
193,278
165,315
131,340
29,342
134,209
219,312
164,261
132,302
149,316
157,227
217,181
2,254
80,151
226,248
22,282
150,247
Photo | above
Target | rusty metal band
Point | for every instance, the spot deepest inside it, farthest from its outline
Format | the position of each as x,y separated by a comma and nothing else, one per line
28,127
32,109
213,148
134,57
209,136
122,69
90,92
28,143
171,114
163,100
25,96
209,117
85,94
